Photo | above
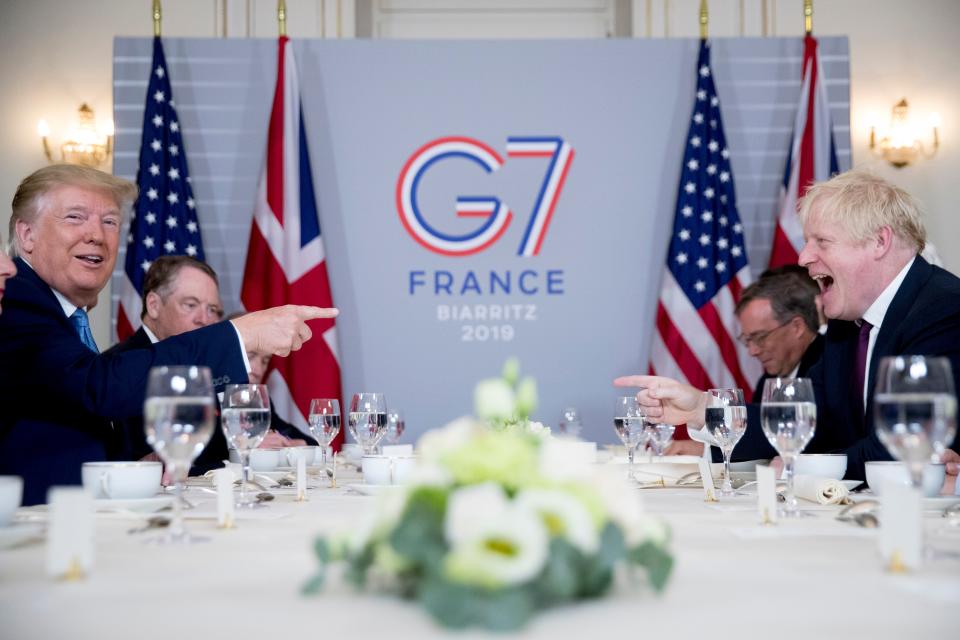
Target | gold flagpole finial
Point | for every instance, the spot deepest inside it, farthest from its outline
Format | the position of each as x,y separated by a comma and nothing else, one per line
157,18
704,19
808,16
282,17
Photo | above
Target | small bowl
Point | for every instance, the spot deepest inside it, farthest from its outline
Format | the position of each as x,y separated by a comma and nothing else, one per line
822,465
882,473
267,459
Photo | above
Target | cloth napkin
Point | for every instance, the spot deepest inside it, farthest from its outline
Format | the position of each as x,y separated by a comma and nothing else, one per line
820,490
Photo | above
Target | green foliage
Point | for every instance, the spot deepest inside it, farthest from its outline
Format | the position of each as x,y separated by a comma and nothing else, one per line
459,606
419,534
657,561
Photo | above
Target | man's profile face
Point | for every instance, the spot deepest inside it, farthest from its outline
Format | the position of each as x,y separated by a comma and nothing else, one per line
777,346
193,302
72,245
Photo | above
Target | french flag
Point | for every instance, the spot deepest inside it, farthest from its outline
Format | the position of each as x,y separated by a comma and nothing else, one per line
813,157
286,263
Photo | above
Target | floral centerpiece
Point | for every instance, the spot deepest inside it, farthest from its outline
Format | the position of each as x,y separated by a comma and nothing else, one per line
500,521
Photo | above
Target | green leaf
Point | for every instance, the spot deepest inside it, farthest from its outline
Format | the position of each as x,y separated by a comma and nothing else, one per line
321,549
657,561
459,606
560,579
314,584
419,534
357,567
598,570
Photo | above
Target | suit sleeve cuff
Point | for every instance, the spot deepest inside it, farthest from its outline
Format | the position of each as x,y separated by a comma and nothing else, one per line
243,349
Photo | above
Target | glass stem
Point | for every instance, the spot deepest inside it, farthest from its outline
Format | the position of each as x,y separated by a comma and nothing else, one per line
916,475
245,464
727,484
176,524
630,451
790,505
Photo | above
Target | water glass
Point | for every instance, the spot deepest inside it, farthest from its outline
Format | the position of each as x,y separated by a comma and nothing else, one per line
396,425
915,409
788,412
178,418
659,435
324,421
570,423
629,425
726,421
245,418
368,420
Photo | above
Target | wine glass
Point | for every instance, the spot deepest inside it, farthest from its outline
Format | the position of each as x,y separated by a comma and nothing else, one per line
629,425
245,418
570,423
178,417
915,408
368,420
395,427
788,412
726,420
659,436
324,420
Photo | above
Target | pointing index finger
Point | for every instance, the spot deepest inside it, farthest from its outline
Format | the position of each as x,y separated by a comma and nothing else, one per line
305,312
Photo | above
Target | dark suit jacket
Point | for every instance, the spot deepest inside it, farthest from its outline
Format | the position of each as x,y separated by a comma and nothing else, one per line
58,397
923,319
216,451
754,444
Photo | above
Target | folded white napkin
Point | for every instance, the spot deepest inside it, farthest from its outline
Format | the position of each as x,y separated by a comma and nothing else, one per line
820,490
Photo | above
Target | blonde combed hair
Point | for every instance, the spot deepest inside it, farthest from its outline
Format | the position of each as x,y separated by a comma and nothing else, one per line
28,200
861,203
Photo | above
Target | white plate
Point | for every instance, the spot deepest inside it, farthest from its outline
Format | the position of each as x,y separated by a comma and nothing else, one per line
19,532
142,505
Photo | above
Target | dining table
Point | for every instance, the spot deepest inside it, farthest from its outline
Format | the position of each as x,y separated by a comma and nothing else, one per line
733,576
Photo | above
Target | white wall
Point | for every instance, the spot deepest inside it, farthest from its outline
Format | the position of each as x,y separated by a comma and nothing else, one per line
57,54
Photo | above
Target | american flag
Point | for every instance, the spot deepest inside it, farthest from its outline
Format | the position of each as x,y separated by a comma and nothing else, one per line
286,263
164,221
707,262
813,157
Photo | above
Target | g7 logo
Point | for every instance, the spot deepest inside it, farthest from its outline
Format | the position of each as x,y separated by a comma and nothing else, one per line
496,212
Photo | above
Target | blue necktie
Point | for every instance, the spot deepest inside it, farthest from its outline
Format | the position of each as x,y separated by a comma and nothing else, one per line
82,324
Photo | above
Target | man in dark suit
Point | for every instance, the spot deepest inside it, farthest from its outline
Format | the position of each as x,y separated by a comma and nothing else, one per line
864,237
779,325
59,394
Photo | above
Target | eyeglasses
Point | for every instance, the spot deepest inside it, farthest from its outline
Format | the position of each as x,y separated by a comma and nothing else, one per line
758,338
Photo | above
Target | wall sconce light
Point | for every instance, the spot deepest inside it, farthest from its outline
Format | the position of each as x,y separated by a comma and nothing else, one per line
900,144
85,144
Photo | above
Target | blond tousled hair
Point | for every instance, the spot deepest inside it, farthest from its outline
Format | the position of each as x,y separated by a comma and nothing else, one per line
28,200
860,203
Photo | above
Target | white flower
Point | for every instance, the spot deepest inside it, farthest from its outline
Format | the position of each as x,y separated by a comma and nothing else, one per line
538,429
622,504
434,444
563,460
429,474
527,397
379,521
493,399
494,542
563,515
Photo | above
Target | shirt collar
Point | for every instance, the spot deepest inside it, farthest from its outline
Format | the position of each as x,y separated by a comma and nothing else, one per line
153,339
875,313
68,307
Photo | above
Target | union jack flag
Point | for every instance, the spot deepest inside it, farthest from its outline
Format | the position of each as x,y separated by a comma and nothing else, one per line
286,263
164,220
707,264
813,157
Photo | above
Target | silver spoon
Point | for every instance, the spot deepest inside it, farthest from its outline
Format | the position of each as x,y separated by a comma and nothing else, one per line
858,508
153,522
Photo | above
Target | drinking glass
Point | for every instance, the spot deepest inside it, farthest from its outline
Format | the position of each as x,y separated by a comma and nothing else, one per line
726,420
788,412
659,436
324,420
570,423
178,417
395,427
245,418
368,420
629,425
915,408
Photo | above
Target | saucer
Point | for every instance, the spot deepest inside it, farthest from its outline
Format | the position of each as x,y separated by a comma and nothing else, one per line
142,505
20,532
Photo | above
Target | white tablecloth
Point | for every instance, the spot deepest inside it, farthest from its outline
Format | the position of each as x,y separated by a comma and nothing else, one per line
802,579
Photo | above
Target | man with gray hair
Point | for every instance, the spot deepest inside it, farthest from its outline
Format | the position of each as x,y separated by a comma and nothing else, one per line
59,394
863,242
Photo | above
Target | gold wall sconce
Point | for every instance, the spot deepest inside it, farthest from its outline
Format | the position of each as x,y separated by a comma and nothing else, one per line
901,143
85,144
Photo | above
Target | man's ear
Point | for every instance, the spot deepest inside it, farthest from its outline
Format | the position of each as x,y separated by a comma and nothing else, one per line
153,304
26,236
882,241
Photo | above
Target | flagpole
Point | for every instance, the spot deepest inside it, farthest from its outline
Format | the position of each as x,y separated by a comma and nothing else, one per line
808,16
282,17
157,18
704,19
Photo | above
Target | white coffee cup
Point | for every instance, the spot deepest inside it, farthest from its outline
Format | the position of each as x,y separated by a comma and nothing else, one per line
122,480
387,469
394,450
267,459
880,474
11,495
822,465
312,455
